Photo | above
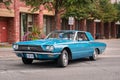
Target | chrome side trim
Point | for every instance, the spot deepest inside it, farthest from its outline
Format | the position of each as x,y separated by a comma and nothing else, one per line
17,52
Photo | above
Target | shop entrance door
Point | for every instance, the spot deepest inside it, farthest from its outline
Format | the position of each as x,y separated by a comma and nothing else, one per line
3,31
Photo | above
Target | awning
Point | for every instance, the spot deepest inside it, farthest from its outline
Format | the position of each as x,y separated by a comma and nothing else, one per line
27,10
6,13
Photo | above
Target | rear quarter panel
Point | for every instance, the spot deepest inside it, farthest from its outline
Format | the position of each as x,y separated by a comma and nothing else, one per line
99,45
95,44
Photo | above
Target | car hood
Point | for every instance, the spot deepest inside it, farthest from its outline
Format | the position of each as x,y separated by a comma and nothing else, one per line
44,42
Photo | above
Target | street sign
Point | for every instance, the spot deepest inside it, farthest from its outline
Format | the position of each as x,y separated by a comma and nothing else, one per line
71,21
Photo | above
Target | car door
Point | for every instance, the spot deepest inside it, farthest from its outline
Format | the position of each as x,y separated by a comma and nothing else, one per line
83,48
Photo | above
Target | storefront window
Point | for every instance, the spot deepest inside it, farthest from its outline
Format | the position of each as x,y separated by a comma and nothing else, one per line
26,24
48,24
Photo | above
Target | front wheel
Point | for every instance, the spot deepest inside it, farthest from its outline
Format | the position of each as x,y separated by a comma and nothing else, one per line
27,61
63,59
94,56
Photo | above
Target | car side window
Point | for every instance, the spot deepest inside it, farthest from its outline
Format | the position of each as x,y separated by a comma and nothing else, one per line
81,36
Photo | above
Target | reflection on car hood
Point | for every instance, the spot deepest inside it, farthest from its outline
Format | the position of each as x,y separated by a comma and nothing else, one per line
44,42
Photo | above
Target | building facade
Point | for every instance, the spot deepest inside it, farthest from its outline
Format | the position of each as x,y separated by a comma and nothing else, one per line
98,29
19,20
15,23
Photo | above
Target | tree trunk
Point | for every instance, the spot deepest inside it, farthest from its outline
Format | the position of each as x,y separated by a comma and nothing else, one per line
57,16
58,22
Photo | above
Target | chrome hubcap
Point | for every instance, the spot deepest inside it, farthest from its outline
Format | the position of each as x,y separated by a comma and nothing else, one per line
65,59
95,54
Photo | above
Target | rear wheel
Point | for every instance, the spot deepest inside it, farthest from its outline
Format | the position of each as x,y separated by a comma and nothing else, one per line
95,55
63,59
27,61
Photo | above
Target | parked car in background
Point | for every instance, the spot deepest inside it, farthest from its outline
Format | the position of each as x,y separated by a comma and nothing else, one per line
62,46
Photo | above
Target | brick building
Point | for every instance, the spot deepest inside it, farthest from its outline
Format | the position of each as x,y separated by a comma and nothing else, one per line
14,24
98,29
19,20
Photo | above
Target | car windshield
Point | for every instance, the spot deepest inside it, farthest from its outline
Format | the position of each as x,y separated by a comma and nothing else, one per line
69,35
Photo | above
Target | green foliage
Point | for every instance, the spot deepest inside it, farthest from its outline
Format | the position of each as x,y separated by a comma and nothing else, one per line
75,12
7,3
60,6
78,9
96,9
35,4
106,11
117,6
35,33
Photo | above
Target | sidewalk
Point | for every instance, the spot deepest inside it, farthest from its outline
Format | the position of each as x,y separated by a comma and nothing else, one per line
7,54
5,45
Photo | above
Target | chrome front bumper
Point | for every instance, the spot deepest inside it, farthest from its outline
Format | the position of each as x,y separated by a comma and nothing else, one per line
29,52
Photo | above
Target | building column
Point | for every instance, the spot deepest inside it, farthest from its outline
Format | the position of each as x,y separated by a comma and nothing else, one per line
58,22
83,25
101,30
16,33
107,30
117,31
92,28
40,19
113,30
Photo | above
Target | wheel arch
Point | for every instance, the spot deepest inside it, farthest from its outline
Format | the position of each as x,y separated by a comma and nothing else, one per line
69,52
98,50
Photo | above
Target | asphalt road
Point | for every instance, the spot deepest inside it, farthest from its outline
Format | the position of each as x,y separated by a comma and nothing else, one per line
107,67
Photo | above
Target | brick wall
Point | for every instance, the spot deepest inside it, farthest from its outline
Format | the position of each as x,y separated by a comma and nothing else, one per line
16,21
21,4
11,30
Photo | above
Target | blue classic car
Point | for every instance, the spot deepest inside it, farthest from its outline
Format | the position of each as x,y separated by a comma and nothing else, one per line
62,46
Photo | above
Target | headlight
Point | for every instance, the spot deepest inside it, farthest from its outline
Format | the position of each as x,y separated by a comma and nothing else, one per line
15,46
49,48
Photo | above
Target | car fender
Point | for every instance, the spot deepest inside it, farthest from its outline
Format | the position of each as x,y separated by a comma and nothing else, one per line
59,48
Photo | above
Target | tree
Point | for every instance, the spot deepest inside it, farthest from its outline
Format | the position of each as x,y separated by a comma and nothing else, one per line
59,6
79,11
117,6
97,9
6,2
105,10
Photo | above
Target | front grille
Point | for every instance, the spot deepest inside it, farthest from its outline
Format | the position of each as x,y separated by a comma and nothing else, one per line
30,48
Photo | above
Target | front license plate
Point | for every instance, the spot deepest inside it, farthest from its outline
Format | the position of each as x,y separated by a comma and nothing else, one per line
30,56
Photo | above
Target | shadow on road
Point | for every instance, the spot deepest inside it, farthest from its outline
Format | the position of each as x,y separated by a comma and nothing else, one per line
49,64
